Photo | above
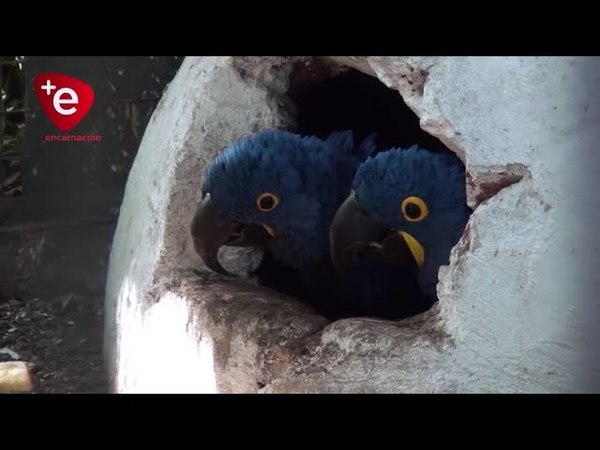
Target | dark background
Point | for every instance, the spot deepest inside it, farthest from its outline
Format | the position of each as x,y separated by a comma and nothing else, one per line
59,204
58,231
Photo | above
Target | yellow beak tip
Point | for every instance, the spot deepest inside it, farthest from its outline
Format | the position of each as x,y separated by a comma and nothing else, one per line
415,247
269,230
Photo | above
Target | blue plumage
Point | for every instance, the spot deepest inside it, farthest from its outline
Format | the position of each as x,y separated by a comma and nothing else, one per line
309,176
433,185
378,289
305,180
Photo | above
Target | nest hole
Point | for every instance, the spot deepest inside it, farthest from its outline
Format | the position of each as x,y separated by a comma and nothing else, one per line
350,100
356,101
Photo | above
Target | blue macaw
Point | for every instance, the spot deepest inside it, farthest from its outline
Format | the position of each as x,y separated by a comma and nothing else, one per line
406,210
279,191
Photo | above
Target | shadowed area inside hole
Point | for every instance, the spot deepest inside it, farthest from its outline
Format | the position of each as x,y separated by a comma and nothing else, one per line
361,103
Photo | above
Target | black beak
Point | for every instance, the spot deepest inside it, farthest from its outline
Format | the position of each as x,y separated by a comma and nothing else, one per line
357,239
211,231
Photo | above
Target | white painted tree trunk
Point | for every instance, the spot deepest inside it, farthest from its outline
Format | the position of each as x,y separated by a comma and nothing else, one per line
513,306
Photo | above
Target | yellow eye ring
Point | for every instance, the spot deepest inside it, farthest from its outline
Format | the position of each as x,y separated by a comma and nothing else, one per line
267,202
414,209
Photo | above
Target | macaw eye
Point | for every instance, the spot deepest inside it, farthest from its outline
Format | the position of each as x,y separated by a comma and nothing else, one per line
267,202
414,209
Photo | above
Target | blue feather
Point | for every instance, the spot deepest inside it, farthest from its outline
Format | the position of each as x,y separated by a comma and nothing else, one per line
383,181
310,176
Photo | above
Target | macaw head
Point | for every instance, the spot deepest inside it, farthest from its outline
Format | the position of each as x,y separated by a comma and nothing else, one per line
408,208
274,189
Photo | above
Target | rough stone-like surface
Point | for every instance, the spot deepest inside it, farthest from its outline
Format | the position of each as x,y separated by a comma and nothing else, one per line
509,317
224,335
210,103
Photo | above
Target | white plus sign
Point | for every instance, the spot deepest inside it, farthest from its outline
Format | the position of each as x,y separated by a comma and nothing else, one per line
48,87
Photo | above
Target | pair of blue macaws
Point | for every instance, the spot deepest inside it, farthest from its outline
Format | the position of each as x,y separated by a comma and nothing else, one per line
349,229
